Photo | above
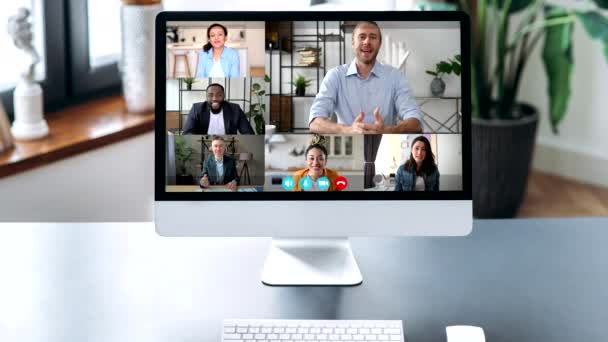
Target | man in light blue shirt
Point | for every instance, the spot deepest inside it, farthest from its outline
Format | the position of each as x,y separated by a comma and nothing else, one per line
367,96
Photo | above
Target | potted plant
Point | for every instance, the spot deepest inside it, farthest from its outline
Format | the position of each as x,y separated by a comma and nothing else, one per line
189,81
257,109
441,69
300,83
183,156
503,128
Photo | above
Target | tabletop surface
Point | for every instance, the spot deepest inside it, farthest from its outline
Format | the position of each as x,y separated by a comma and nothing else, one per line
521,280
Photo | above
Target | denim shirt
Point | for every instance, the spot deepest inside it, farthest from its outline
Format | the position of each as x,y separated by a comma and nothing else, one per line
229,61
406,180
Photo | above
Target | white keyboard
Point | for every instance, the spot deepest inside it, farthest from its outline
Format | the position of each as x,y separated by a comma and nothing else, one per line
283,330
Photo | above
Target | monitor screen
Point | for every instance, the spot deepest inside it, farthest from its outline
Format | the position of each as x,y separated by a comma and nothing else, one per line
313,106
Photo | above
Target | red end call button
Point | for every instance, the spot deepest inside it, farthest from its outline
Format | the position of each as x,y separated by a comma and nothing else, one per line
341,183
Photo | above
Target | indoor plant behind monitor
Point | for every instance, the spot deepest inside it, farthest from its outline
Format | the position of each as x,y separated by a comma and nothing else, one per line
504,130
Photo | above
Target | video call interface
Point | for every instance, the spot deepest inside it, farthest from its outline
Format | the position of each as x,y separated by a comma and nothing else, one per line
302,106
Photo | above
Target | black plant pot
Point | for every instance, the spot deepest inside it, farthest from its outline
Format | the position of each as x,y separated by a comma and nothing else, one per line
184,180
502,152
300,91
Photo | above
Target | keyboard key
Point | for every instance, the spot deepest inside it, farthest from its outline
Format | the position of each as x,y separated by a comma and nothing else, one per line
284,336
352,331
292,330
309,337
371,337
328,330
241,330
260,336
272,336
376,331
232,336
340,331
254,330
229,330
392,331
266,330
247,336
365,331
358,337
346,337
296,337
315,330
395,337
382,337
278,330
321,337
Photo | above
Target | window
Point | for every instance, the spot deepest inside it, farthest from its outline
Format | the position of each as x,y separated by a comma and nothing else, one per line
104,32
94,46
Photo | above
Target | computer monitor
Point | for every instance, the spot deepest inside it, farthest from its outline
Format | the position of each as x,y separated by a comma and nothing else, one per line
310,128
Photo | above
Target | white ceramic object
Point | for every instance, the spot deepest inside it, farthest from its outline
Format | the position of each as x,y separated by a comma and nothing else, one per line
137,61
29,122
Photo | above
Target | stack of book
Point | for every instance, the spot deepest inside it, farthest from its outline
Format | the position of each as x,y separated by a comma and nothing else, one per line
309,56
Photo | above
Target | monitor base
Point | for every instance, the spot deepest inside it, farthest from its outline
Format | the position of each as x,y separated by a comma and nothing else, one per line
311,262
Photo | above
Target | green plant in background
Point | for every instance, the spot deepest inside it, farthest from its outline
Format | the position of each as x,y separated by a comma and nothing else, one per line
495,84
183,154
301,83
452,65
189,81
257,109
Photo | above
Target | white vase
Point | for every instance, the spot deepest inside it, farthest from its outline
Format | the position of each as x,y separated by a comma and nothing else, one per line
137,60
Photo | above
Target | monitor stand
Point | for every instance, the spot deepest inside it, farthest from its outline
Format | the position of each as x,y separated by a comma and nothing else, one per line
311,262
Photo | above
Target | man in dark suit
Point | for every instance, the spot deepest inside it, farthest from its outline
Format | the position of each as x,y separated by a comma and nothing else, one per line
216,116
219,169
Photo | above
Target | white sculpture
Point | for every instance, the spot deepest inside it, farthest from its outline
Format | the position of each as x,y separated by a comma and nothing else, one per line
29,121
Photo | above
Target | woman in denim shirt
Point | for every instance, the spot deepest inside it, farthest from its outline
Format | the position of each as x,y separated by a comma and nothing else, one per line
419,173
216,59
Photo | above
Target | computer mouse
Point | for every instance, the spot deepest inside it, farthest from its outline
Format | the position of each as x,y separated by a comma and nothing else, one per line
465,333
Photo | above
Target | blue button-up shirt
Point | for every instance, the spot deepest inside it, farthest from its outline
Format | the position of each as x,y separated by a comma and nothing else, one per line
346,93
229,60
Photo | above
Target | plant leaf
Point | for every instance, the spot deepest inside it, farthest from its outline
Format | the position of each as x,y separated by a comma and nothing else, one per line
557,57
601,3
432,73
457,57
266,78
261,93
444,67
456,68
597,27
516,5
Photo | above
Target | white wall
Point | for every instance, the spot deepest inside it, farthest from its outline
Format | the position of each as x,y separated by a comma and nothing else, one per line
113,183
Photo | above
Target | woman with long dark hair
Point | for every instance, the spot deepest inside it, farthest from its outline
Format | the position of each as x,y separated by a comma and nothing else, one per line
419,173
316,161
216,59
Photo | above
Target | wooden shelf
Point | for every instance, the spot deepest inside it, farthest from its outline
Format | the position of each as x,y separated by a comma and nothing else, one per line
76,130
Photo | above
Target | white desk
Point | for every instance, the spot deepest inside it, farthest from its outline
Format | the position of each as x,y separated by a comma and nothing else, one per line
522,280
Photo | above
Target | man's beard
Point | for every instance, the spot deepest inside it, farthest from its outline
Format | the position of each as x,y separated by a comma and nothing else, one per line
219,108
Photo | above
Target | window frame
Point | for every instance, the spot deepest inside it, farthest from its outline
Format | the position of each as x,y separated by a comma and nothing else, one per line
83,79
